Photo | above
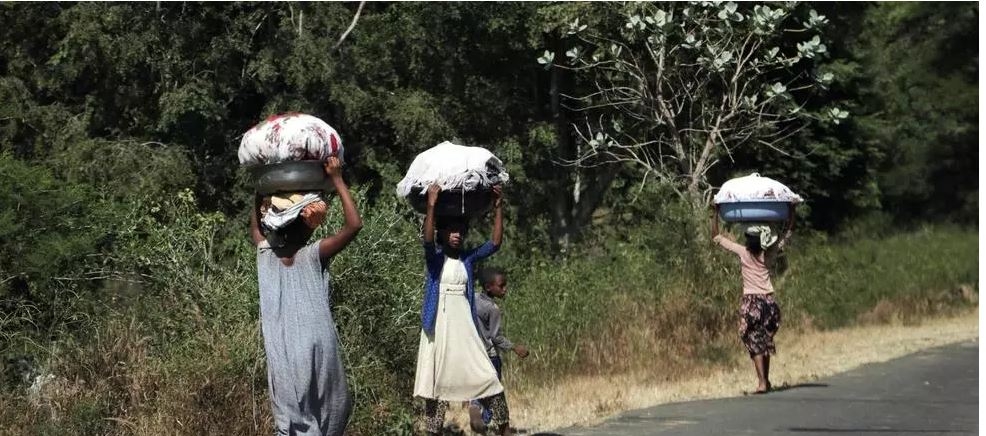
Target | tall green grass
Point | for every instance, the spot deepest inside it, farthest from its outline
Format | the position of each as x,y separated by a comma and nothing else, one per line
835,284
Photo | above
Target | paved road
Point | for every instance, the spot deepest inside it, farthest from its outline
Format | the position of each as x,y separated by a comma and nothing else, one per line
934,392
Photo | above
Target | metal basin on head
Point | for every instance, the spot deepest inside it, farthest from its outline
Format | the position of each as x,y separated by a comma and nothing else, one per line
454,203
291,176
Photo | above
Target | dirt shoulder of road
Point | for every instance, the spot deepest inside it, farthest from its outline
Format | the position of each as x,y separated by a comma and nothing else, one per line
802,358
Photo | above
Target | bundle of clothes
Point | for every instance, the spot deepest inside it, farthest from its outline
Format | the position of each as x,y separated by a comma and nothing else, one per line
284,138
456,169
755,198
755,188
289,137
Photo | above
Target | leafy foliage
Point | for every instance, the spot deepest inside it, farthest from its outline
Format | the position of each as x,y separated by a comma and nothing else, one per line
127,289
923,107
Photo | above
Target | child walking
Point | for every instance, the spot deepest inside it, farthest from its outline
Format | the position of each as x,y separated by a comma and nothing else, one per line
759,314
305,375
494,282
452,361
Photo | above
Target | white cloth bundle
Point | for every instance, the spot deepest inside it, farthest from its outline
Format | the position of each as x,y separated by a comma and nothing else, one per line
452,166
277,218
289,137
755,188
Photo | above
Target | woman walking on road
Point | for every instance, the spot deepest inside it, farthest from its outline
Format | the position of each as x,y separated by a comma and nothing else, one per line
759,314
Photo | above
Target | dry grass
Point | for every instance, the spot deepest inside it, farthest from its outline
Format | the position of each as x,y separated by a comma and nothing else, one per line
804,356
113,386
607,334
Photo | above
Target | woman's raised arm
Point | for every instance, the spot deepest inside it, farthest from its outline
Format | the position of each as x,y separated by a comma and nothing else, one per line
352,224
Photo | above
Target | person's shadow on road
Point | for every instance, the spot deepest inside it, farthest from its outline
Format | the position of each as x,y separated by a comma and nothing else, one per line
787,387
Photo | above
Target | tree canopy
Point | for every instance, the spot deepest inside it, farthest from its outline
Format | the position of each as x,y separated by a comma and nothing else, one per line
120,122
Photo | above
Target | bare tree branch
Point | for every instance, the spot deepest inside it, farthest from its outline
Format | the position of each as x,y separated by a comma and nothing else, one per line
682,106
352,25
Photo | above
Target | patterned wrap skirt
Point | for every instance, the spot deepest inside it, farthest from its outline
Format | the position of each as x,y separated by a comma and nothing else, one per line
759,320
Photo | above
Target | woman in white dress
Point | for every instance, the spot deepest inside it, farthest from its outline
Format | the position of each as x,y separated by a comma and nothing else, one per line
452,360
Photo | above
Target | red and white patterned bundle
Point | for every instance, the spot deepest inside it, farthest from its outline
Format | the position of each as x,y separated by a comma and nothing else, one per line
289,137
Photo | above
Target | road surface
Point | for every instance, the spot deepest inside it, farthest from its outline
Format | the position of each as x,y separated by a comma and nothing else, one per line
933,392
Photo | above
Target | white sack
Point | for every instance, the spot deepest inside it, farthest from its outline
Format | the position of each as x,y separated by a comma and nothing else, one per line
755,188
452,166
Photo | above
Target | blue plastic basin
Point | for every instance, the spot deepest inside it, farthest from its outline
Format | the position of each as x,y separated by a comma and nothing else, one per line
754,211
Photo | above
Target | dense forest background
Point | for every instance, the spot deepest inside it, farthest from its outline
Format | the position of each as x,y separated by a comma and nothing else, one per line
123,210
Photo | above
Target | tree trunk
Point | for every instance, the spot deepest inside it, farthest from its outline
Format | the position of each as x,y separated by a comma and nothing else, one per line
562,226
580,191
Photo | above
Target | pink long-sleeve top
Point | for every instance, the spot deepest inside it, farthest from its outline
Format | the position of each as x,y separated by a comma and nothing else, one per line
756,275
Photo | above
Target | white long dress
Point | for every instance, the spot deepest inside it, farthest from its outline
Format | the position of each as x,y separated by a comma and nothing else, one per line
453,364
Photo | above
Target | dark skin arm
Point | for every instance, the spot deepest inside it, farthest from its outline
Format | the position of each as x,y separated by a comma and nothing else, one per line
429,228
255,232
715,225
521,351
789,230
790,220
352,224
715,220
497,215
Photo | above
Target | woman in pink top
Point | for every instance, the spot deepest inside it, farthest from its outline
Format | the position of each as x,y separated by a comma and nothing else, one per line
760,316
